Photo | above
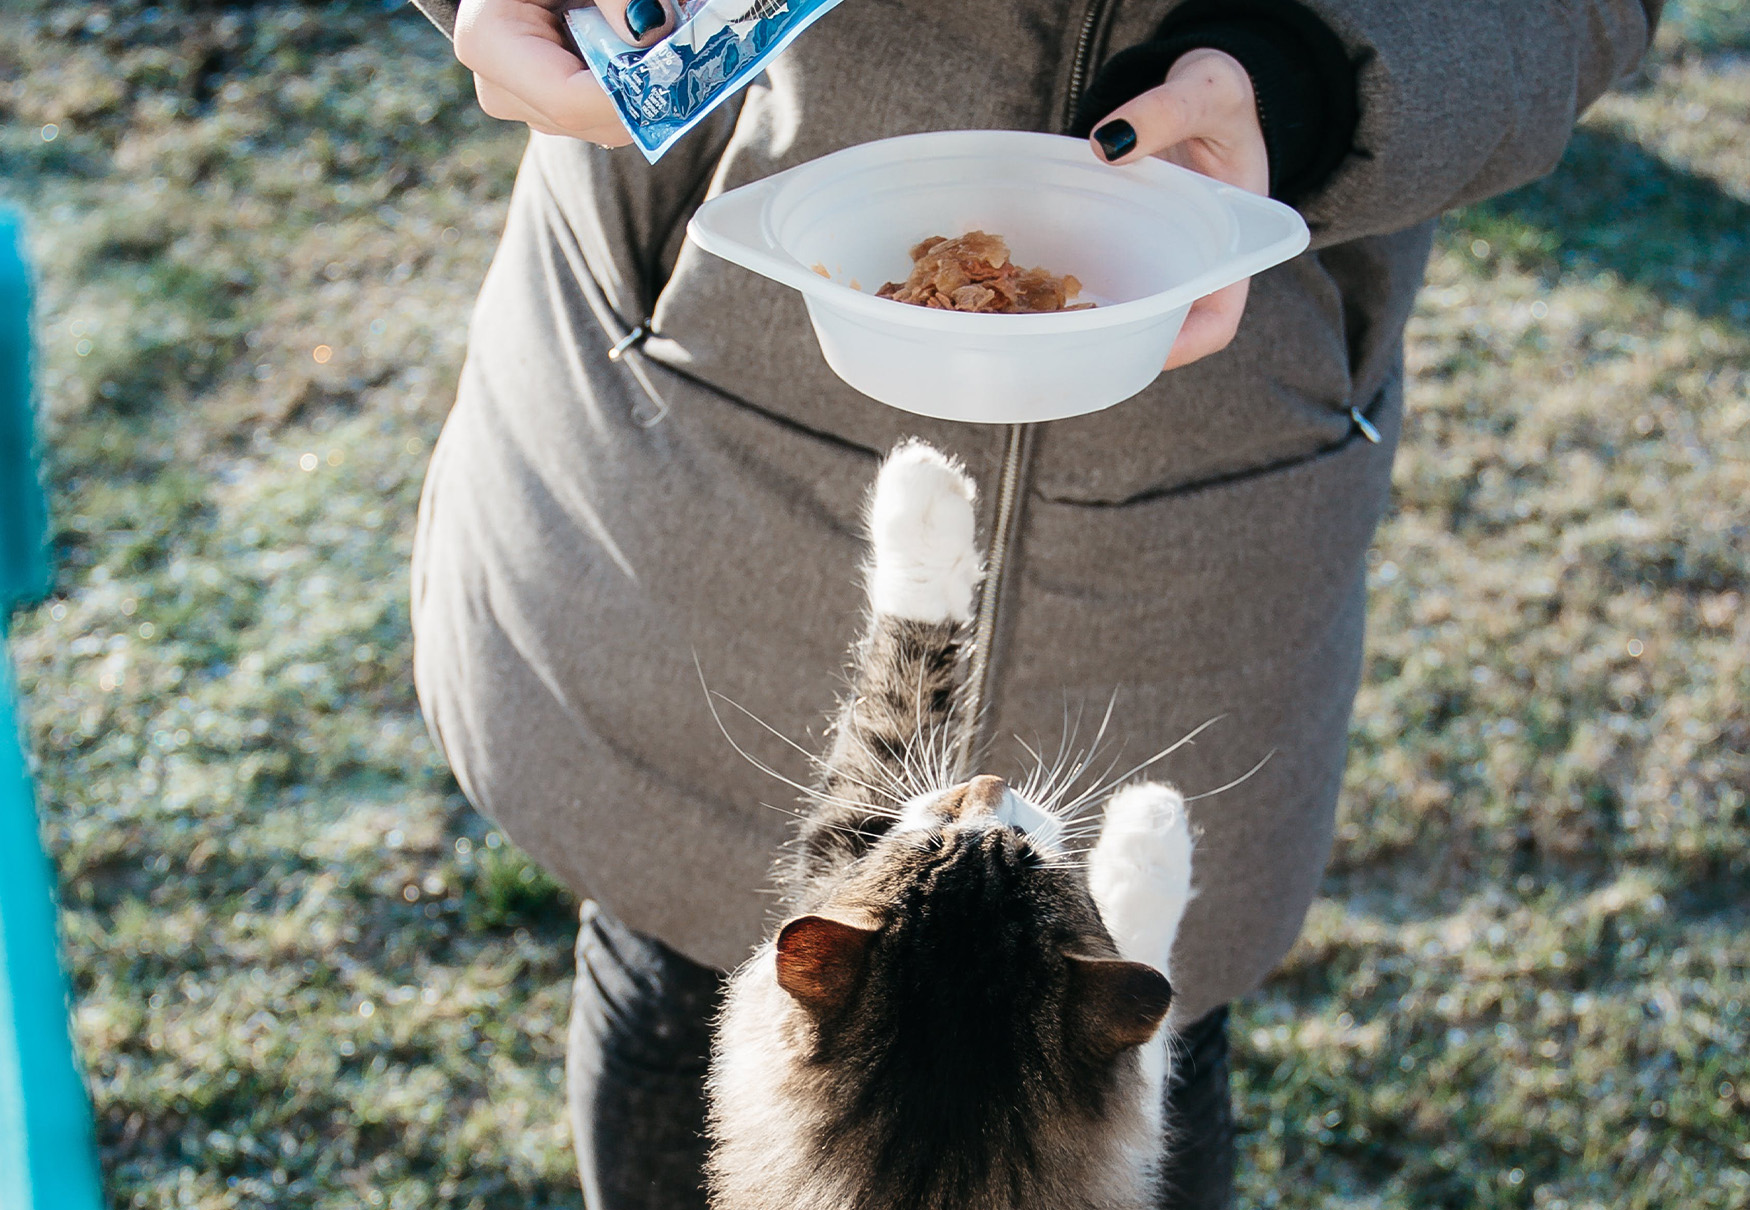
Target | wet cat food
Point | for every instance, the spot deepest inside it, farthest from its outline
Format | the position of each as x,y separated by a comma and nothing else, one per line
973,272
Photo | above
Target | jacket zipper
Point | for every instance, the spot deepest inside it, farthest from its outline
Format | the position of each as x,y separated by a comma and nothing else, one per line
1011,480
1017,444
1078,66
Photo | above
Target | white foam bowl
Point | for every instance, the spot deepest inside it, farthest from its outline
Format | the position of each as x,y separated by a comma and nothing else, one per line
1146,241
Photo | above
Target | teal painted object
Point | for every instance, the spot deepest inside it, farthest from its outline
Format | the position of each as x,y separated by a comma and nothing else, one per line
24,563
48,1157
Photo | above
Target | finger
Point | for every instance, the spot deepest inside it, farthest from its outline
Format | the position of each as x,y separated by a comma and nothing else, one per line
639,22
1207,94
518,47
498,102
506,106
1154,121
1210,325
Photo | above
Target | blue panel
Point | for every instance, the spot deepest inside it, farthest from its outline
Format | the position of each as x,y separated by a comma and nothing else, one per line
24,568
47,1151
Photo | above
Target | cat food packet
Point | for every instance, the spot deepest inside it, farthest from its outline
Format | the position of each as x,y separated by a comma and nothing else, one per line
717,48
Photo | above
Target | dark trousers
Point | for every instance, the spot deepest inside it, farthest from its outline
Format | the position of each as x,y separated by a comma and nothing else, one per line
641,1042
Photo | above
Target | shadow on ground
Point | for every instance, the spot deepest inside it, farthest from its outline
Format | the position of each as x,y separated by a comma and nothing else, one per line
1614,206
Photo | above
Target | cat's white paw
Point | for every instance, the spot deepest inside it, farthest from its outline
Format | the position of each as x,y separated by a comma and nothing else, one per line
925,563
1140,870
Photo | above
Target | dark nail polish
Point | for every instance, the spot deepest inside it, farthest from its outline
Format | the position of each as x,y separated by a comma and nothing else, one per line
1115,138
642,16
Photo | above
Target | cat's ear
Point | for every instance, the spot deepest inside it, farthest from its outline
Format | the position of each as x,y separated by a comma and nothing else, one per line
821,960
1115,1005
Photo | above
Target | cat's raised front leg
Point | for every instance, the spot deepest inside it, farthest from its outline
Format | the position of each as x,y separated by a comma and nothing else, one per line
1140,871
1140,876
924,564
894,731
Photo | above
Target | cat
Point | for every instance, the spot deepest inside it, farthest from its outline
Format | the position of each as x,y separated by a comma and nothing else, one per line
957,1014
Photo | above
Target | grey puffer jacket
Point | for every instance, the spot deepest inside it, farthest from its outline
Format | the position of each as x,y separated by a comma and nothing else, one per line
592,526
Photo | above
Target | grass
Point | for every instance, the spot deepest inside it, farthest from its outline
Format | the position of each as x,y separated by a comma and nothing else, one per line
308,975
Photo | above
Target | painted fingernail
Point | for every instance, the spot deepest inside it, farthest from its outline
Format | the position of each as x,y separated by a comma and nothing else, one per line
1115,138
642,16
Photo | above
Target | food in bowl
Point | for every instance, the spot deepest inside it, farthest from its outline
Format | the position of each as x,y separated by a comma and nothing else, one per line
973,272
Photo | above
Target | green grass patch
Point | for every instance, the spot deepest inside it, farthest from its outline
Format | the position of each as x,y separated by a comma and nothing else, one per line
308,975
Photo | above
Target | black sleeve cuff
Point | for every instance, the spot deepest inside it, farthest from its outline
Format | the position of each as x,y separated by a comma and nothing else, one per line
1301,74
441,13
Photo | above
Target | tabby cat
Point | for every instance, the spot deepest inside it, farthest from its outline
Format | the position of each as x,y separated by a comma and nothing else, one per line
959,1013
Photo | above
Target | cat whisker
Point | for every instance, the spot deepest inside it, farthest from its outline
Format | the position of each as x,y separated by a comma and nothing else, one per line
1043,779
847,829
1158,756
911,774
936,756
1068,809
1241,779
1030,789
959,761
917,727
818,761
900,781
893,781
1086,832
808,791
1065,741
1094,748
1063,772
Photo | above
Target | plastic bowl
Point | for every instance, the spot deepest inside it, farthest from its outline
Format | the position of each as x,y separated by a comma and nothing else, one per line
1146,241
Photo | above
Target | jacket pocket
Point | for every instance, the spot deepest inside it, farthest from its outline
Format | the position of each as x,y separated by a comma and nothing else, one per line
1377,424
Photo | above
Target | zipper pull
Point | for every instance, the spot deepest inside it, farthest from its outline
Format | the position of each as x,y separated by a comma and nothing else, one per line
1361,422
630,340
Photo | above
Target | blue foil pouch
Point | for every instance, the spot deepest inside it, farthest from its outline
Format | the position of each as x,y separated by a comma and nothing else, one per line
717,48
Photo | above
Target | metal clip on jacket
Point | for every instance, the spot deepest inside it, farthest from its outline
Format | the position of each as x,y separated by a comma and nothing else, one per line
1368,430
630,340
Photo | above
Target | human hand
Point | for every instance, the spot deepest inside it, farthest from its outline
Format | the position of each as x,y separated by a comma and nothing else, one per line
1204,117
525,70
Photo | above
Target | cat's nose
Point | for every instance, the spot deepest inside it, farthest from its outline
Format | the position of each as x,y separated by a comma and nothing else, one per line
984,794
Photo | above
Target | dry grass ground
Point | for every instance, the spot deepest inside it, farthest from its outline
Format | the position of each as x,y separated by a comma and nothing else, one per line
307,975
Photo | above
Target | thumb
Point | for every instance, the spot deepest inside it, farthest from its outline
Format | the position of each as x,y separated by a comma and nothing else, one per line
638,22
1160,118
1207,95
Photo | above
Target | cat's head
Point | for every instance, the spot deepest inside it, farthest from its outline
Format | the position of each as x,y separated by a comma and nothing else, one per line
965,896
957,979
